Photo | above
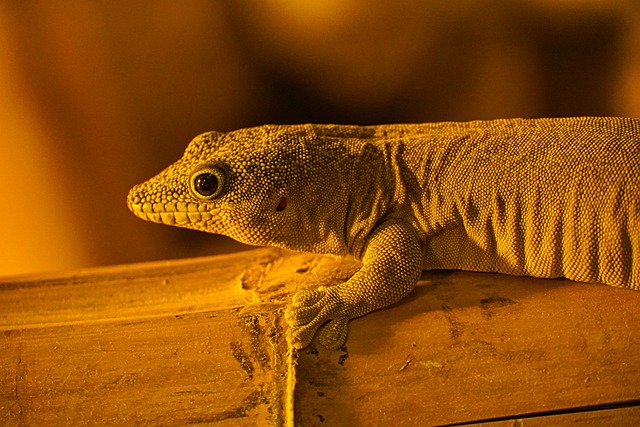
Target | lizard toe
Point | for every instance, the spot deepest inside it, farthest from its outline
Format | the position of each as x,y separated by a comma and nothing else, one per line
296,316
305,321
299,337
307,297
309,304
334,334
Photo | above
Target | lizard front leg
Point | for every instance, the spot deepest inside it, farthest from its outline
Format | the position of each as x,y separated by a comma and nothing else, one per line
392,264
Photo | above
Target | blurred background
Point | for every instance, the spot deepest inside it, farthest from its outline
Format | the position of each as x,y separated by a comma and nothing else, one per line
96,96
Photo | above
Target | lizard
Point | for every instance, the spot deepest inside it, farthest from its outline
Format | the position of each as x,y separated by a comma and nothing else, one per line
547,198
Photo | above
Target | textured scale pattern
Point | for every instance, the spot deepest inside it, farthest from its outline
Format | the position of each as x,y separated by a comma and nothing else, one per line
538,197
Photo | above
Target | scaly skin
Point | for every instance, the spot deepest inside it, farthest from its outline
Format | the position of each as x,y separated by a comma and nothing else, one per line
543,198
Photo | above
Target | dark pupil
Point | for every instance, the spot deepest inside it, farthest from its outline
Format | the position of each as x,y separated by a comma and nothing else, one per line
206,184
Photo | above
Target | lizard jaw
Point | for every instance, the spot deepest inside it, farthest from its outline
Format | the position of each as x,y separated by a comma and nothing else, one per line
171,213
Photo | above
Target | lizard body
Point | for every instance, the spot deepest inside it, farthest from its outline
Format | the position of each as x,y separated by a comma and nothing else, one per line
537,197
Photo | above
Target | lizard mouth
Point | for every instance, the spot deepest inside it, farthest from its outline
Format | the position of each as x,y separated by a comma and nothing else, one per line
174,213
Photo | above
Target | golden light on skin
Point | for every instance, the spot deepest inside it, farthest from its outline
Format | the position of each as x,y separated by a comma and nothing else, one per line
525,197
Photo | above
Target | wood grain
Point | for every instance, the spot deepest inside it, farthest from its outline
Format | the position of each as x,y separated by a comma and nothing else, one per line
172,343
466,347
202,341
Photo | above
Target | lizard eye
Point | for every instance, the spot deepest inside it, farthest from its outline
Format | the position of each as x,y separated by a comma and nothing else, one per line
208,181
205,184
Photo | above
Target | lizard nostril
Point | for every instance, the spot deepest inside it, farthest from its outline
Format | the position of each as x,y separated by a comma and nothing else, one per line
282,204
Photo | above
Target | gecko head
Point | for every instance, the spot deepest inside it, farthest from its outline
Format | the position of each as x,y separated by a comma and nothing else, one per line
258,186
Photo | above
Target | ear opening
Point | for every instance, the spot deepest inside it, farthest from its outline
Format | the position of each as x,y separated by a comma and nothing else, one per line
282,204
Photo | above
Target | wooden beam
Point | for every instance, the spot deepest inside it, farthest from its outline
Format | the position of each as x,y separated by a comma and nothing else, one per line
170,343
466,347
203,341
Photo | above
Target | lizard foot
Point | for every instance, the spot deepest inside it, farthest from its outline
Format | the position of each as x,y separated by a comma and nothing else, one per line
391,267
310,310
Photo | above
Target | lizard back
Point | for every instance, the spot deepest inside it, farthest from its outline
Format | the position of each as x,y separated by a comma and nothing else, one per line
540,197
